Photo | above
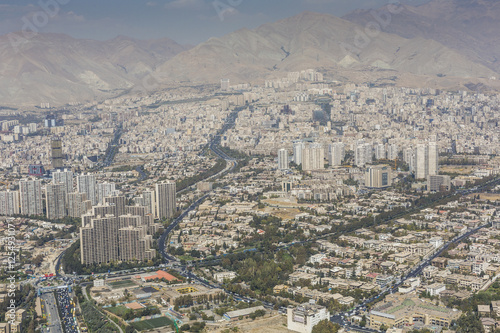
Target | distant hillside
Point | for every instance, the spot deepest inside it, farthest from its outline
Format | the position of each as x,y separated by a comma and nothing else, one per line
312,40
59,69
471,27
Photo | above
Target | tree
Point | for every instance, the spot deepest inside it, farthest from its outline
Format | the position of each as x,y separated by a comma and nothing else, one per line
469,323
325,326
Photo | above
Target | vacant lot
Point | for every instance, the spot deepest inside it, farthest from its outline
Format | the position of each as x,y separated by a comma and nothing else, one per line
275,324
490,196
458,169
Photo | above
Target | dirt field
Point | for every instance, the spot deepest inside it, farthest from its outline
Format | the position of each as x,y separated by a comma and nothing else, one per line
490,196
460,169
276,324
283,213
285,208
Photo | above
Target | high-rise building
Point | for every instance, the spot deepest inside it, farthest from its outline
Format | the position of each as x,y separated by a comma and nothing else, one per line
105,190
422,161
99,241
9,203
55,201
336,153
378,176
64,177
224,84
380,152
78,204
363,153
165,200
147,199
57,154
409,158
30,195
87,184
313,157
426,160
298,147
392,151
108,238
283,159
119,202
433,159
135,244
438,183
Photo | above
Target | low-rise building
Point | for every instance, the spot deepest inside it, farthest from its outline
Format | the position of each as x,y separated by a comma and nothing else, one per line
305,316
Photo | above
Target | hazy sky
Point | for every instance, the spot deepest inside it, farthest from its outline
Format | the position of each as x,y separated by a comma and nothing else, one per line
186,21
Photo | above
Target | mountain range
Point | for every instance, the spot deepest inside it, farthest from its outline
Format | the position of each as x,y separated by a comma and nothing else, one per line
444,44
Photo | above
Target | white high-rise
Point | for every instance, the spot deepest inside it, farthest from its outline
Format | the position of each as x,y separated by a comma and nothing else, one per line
336,153
363,153
165,200
283,159
298,147
147,200
55,201
380,152
30,195
105,190
433,159
392,151
409,158
77,204
63,177
313,157
422,161
87,184
9,203
426,160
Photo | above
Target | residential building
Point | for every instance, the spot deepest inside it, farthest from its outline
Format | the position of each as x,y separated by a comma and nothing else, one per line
9,203
87,184
30,194
165,200
336,152
283,159
63,177
55,201
313,157
298,147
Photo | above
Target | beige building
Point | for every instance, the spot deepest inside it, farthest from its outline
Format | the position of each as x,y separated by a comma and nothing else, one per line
401,310
305,316
55,201
313,157
378,176
30,194
107,236
165,200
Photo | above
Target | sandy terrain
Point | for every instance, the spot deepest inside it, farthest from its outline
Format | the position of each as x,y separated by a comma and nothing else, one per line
275,324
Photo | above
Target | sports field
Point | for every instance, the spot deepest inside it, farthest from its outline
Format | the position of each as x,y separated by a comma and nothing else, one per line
121,284
151,323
